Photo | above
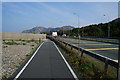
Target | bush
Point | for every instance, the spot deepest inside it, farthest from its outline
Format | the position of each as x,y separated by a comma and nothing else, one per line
32,40
23,40
20,39
5,46
36,42
24,43
32,45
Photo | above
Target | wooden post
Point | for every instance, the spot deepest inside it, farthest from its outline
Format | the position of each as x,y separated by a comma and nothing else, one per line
81,57
65,45
106,65
71,49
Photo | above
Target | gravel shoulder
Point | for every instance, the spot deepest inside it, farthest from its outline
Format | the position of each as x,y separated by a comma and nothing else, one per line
13,55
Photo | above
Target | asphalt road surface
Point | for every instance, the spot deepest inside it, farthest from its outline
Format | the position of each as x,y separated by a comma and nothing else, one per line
102,39
46,63
105,49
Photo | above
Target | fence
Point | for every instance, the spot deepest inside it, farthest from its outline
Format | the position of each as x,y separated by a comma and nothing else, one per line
104,59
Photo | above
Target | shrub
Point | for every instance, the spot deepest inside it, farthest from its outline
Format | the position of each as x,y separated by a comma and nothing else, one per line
20,39
32,40
32,45
5,46
24,43
36,42
23,40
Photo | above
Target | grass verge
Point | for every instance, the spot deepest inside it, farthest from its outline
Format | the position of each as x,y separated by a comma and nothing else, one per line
87,67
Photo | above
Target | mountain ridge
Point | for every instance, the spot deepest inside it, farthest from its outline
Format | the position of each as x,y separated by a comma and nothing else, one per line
40,29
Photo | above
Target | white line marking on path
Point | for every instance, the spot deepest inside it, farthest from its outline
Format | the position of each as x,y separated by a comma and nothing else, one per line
27,63
74,75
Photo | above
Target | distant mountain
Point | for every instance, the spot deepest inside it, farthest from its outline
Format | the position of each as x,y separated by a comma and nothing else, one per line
43,29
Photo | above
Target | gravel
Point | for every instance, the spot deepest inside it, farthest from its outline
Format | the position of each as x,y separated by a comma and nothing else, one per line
13,55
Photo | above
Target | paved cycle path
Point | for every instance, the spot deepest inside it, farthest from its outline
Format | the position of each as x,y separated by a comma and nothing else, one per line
46,63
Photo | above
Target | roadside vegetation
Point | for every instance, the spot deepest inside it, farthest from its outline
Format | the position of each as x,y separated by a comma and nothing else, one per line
88,67
96,30
23,42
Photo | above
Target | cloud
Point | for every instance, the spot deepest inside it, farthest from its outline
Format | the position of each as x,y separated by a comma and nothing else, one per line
69,16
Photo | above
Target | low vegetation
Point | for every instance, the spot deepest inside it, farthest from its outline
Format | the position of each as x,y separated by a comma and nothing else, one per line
24,43
32,45
12,43
88,67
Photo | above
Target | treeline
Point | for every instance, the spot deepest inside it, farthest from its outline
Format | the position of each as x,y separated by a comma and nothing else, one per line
96,30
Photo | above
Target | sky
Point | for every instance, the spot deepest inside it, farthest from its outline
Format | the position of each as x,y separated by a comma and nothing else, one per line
19,16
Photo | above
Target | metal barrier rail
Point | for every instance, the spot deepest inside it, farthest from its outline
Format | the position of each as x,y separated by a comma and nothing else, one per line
104,59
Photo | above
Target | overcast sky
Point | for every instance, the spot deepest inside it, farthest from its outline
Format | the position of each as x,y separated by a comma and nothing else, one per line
19,16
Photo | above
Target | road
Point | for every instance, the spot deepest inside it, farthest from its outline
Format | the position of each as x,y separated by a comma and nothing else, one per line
101,39
46,63
105,49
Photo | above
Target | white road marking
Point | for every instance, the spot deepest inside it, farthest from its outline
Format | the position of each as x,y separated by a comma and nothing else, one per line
27,63
74,75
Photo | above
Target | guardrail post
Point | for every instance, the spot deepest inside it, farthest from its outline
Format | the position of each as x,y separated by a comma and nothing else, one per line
71,48
106,65
81,53
66,45
81,56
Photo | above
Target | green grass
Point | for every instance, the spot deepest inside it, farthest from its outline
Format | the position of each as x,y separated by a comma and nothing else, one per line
87,67
12,43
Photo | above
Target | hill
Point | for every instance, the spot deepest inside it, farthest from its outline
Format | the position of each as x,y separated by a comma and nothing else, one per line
43,29
97,30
